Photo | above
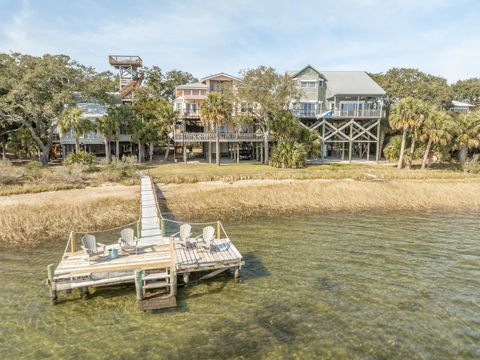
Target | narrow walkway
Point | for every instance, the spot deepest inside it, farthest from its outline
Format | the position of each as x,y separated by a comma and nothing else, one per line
150,232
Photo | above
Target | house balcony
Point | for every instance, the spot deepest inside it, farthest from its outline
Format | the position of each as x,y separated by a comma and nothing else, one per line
93,138
304,113
191,113
360,113
223,137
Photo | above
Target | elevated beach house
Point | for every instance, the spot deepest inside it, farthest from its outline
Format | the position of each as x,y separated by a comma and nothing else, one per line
345,107
193,138
93,140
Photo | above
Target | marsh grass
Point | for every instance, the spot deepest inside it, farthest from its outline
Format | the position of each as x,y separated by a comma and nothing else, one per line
309,196
47,220
192,173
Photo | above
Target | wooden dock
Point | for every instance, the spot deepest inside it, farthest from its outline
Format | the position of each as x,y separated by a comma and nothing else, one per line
154,265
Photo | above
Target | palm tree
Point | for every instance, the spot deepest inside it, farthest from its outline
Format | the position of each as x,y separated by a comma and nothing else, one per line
422,111
116,118
169,117
106,125
215,110
405,116
467,133
436,130
72,119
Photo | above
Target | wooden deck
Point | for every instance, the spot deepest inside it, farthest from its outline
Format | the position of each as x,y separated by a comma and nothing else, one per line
155,264
223,255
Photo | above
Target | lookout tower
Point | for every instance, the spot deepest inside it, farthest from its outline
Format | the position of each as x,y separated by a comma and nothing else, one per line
130,74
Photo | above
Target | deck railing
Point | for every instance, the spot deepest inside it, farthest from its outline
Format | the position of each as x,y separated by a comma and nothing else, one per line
211,136
367,113
191,113
359,113
125,60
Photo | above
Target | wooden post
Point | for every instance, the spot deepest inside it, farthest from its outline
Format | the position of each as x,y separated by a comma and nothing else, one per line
261,153
237,274
72,242
218,230
163,229
368,151
184,153
377,155
238,152
85,292
350,145
139,284
323,140
343,150
139,228
209,152
186,278
173,270
50,272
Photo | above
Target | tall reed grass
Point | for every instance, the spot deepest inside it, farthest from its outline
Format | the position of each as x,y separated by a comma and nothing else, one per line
31,223
296,197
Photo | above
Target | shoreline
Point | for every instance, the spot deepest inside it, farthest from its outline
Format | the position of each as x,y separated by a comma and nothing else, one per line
32,219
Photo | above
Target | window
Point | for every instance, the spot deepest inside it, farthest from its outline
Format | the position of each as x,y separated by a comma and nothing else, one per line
320,83
308,84
179,106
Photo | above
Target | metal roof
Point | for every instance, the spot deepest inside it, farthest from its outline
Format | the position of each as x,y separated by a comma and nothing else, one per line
197,85
346,82
351,83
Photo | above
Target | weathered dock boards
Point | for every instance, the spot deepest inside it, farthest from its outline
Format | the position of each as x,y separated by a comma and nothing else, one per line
155,264
150,217
223,255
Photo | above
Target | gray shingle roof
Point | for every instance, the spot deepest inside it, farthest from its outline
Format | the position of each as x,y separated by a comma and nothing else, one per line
351,83
197,85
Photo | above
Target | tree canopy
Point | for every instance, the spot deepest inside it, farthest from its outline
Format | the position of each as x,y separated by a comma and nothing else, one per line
162,85
467,90
400,83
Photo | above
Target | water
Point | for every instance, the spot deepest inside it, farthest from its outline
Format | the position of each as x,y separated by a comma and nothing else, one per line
367,286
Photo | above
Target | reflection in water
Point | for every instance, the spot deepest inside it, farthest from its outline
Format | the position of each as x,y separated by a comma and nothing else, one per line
390,285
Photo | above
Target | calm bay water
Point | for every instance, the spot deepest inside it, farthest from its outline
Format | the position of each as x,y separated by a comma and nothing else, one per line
367,286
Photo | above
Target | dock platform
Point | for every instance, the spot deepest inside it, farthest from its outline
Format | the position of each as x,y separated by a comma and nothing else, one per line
155,261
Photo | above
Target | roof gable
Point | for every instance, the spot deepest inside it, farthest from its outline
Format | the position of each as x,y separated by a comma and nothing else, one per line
220,75
298,73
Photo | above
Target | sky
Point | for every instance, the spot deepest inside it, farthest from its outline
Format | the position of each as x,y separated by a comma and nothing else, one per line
440,37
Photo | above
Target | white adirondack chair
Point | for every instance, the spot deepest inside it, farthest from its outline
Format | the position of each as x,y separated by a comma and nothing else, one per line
207,238
128,241
184,234
91,247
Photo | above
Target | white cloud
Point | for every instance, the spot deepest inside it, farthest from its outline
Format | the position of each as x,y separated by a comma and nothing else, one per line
208,36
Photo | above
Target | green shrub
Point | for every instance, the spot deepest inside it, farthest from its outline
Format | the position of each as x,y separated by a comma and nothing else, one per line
72,174
35,172
33,165
288,155
119,170
82,157
391,151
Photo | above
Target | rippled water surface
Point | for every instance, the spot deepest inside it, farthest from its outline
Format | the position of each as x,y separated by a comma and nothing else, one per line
369,286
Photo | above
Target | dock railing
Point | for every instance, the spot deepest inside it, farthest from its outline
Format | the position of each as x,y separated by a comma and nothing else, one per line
106,237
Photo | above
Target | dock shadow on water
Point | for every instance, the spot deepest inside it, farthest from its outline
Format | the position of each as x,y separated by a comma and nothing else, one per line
368,286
